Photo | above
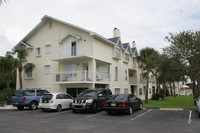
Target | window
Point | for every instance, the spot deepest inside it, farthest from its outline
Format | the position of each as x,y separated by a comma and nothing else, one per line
125,90
126,57
150,90
70,69
38,52
117,52
48,48
30,92
73,49
126,75
41,92
47,69
29,75
140,91
117,91
116,73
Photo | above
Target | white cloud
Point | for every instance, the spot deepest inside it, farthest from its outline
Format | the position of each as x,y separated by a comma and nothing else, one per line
145,21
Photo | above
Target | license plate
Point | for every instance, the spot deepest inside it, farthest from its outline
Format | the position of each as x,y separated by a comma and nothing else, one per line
113,104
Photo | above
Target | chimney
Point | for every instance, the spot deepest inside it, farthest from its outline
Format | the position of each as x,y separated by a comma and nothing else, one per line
133,44
116,32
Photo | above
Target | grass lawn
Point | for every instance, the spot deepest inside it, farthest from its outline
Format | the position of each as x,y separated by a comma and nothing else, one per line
185,102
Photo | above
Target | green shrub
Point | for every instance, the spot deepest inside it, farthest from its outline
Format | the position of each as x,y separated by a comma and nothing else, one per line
159,95
5,96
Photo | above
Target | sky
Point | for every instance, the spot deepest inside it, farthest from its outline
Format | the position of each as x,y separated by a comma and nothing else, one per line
147,22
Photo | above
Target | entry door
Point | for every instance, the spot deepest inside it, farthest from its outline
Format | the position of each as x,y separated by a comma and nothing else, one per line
67,49
85,74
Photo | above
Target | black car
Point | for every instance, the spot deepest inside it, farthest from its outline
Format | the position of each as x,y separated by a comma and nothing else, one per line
90,100
123,103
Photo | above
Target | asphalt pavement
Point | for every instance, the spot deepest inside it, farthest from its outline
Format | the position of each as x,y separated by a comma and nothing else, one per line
141,121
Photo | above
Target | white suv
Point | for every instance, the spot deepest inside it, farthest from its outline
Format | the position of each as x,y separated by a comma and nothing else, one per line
55,101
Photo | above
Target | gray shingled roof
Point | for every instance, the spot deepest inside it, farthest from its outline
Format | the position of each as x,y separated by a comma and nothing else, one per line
114,40
125,45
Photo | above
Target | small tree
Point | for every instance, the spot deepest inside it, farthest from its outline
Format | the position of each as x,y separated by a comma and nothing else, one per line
8,66
146,61
21,56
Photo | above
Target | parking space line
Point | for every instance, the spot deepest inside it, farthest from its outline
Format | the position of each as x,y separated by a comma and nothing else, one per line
141,114
190,114
94,114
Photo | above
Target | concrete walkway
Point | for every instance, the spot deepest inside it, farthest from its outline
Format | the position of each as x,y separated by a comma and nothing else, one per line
7,107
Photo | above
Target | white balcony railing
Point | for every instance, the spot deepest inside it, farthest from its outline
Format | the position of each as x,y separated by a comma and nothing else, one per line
79,76
132,81
72,76
102,77
75,51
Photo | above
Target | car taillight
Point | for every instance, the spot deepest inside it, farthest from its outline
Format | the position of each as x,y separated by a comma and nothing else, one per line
122,105
24,98
105,105
51,101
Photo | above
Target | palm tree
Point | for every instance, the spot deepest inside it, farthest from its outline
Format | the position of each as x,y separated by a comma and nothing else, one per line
8,65
146,61
28,67
21,56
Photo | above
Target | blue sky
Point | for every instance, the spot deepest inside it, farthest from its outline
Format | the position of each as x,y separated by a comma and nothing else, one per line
145,21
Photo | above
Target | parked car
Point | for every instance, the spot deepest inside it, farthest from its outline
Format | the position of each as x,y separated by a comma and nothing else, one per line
91,100
198,105
123,103
55,101
27,98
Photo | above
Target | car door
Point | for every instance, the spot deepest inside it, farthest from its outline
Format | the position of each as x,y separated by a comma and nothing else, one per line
67,100
133,101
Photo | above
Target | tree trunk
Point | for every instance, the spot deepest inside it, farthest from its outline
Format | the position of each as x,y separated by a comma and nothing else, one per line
171,93
147,86
174,87
20,76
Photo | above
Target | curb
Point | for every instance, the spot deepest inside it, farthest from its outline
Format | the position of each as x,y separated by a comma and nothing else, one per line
171,109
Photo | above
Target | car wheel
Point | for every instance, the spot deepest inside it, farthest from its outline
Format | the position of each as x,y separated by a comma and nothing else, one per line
130,111
141,106
20,107
59,108
199,114
33,105
94,108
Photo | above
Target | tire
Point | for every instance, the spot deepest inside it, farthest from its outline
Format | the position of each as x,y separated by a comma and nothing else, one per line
59,108
199,114
130,111
33,105
94,108
20,107
141,106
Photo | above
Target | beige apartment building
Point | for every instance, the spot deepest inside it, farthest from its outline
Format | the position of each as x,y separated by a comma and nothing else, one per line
70,59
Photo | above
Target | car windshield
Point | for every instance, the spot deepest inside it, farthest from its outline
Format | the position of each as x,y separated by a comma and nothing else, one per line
91,93
120,98
19,93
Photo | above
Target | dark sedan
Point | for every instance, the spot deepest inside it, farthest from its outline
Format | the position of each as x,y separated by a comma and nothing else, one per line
123,102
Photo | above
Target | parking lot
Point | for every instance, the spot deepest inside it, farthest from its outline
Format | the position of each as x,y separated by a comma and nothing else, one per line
141,121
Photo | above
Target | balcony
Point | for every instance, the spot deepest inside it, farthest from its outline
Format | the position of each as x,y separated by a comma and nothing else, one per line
75,52
102,77
132,81
81,76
